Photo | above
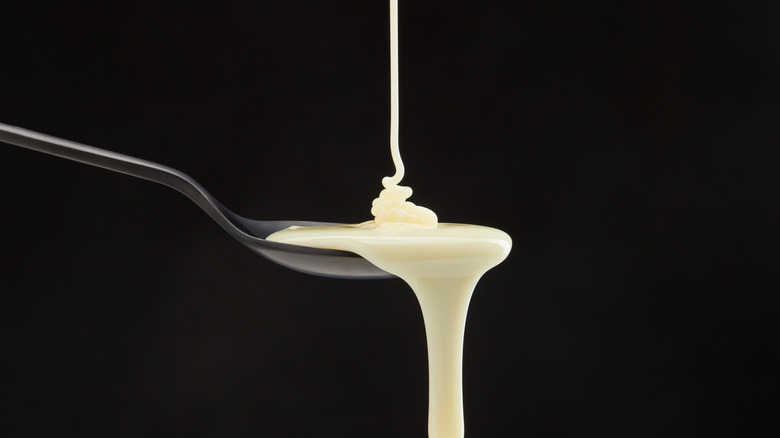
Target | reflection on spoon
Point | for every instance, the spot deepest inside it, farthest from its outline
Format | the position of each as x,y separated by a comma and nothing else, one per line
252,233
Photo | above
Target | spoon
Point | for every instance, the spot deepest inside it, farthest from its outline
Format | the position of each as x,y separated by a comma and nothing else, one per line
252,233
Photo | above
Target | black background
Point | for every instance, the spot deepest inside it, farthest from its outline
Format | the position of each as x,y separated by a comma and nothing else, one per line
629,148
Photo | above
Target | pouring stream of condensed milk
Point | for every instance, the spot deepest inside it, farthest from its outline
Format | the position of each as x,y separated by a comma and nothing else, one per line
391,208
441,262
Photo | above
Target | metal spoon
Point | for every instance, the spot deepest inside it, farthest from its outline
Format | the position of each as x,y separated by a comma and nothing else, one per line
322,262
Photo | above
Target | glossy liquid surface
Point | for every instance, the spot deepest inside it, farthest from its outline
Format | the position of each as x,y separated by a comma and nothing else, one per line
442,266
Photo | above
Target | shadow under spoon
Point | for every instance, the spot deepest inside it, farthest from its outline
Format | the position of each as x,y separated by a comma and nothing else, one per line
252,233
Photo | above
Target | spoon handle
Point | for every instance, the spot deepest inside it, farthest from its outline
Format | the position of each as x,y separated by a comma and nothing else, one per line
83,153
117,162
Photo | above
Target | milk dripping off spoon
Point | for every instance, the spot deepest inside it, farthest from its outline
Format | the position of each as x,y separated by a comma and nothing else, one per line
252,233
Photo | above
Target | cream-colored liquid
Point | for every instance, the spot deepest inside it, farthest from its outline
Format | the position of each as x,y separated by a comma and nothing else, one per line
441,262
442,265
391,208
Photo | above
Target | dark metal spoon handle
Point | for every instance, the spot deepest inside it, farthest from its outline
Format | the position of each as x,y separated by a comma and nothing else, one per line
126,164
316,261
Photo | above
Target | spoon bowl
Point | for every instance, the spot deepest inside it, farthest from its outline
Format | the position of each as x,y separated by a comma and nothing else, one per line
251,233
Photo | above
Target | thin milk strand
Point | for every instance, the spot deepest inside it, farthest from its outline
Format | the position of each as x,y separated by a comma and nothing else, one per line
395,152
391,209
